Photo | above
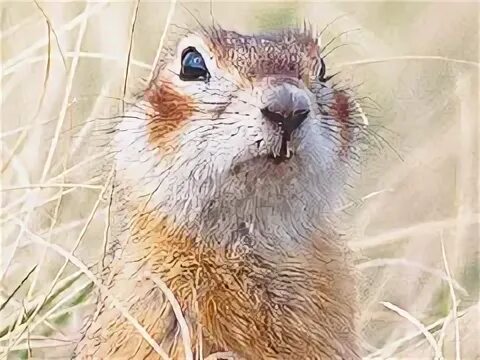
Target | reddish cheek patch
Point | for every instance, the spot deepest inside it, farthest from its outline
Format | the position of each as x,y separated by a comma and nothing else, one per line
341,111
169,110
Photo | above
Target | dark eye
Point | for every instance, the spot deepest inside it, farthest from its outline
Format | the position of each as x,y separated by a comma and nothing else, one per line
193,66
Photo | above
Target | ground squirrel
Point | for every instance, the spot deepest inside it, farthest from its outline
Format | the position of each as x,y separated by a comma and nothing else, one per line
228,170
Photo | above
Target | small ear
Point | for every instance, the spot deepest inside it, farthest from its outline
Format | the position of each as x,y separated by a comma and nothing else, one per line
321,75
323,70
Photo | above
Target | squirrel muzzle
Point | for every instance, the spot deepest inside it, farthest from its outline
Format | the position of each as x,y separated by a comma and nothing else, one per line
287,107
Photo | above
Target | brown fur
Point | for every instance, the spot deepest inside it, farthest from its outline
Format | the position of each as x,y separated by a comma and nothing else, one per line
341,111
291,53
258,305
260,302
169,110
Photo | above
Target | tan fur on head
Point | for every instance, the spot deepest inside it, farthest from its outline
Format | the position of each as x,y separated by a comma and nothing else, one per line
231,209
169,110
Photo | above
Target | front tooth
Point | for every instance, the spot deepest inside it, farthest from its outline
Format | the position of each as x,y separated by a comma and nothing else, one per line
289,150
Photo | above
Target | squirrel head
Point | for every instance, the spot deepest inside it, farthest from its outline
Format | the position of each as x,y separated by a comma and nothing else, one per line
251,116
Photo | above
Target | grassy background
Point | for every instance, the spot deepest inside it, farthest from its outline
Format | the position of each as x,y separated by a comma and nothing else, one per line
63,72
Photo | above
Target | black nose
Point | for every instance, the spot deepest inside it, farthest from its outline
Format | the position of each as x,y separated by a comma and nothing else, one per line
287,107
287,122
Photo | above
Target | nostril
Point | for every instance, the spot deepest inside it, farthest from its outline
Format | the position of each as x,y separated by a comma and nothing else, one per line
300,115
273,116
286,123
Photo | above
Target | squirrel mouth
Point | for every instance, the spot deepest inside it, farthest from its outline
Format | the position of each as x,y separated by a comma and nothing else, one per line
285,152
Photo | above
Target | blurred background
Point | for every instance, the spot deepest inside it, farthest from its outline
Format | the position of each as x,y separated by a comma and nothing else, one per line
414,214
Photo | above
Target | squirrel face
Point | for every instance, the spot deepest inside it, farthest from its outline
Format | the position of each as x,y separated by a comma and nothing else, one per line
241,114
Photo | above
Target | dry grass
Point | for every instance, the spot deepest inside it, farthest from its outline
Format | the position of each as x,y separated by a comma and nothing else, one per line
414,216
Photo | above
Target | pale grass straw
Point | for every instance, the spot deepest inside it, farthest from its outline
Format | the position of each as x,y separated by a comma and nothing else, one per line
67,226
387,350
129,52
14,28
363,199
44,253
75,223
23,136
68,89
21,128
443,330
406,57
34,302
7,264
55,330
38,344
13,151
184,331
221,355
79,164
10,297
70,54
106,232
75,246
52,30
454,300
24,55
41,319
89,122
28,127
41,337
54,185
9,208
110,297
380,262
170,14
396,234
51,313
17,166
418,325
70,310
